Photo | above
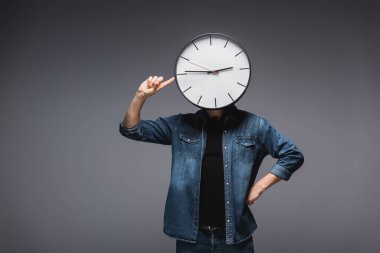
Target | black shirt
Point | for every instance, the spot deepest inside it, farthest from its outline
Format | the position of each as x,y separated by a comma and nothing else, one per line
212,210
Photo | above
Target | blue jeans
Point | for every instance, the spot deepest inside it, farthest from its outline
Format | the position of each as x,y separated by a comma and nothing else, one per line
214,240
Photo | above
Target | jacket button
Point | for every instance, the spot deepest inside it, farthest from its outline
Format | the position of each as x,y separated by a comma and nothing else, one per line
228,220
227,183
228,202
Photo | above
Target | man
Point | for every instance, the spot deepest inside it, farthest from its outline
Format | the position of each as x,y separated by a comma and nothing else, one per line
216,155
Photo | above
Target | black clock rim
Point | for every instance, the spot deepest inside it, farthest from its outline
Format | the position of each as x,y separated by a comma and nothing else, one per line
208,34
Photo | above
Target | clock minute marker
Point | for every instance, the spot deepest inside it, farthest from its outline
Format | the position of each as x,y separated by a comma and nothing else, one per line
243,68
226,42
215,102
199,99
194,45
231,96
241,84
184,58
186,89
210,40
238,53
181,74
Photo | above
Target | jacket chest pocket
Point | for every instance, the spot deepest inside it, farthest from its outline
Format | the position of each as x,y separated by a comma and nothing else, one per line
190,144
245,147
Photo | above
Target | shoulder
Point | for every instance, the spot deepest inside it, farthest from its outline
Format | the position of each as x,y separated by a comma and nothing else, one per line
180,117
184,120
251,117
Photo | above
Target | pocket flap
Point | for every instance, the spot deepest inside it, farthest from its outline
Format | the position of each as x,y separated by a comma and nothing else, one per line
189,137
246,141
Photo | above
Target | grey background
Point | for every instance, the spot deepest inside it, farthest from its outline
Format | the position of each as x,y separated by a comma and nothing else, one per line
69,182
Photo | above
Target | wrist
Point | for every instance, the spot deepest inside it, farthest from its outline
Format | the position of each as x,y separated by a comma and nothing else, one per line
260,188
140,96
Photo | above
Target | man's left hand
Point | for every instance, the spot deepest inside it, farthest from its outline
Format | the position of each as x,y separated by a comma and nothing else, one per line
257,189
254,194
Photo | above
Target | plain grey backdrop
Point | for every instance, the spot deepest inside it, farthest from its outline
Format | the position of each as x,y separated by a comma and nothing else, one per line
69,182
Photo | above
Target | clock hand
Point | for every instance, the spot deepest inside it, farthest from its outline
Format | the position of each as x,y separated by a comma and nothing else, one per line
208,72
217,70
197,71
200,66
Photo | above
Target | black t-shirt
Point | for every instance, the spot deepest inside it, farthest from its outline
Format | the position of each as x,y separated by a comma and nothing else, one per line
212,210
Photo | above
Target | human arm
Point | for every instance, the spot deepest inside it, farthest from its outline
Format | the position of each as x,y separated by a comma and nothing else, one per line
282,148
147,88
260,186
155,131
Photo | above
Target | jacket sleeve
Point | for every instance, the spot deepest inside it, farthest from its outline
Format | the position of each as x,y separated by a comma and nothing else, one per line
154,131
282,148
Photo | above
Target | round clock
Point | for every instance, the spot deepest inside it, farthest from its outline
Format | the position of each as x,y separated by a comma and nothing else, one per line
212,71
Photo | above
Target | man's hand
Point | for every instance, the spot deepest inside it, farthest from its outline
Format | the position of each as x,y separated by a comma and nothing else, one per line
258,188
152,85
147,88
254,193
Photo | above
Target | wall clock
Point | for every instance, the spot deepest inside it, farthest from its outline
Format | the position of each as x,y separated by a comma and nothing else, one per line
212,71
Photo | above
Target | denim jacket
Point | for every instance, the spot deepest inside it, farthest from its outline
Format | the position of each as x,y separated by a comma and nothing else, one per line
247,139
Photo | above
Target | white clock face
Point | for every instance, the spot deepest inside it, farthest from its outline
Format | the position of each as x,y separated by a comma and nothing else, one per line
212,71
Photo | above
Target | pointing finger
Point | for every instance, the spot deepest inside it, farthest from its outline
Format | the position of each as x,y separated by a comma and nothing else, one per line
166,83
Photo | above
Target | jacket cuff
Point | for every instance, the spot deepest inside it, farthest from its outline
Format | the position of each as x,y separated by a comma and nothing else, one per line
281,172
125,130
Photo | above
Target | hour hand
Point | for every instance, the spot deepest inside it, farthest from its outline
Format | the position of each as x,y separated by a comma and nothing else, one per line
209,71
217,70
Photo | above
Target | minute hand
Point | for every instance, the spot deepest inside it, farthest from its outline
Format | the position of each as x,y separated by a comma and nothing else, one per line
208,72
198,71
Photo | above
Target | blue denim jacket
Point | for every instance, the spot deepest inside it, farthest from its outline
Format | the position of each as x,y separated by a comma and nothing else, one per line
247,139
